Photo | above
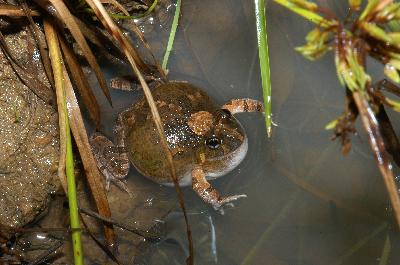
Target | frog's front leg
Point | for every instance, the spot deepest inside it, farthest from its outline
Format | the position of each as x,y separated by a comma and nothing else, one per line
208,193
243,105
112,160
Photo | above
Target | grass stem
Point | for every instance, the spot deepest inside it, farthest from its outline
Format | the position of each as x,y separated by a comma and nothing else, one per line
172,34
56,62
264,62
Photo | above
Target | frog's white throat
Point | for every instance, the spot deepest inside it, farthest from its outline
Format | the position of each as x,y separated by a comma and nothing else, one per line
232,161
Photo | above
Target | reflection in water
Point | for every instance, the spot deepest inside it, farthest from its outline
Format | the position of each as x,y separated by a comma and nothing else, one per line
173,249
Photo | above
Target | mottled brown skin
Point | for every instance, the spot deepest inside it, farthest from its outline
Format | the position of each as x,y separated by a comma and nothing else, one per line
205,141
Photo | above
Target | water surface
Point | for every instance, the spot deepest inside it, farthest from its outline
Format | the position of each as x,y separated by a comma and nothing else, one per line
307,203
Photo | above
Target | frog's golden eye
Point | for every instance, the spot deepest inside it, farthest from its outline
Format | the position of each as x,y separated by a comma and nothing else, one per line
213,142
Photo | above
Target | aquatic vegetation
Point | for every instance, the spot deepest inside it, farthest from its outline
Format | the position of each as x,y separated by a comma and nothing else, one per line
172,34
65,132
368,32
264,62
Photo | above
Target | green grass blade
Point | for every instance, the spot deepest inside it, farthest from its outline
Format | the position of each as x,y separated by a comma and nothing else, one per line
57,65
310,15
172,34
264,62
72,199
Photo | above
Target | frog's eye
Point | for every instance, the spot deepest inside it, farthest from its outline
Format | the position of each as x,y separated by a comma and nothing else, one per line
213,142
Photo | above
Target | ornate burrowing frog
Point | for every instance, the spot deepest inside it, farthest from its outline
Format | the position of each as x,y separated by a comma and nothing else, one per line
205,141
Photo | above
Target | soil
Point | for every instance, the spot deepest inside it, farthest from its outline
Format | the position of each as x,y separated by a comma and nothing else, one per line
29,147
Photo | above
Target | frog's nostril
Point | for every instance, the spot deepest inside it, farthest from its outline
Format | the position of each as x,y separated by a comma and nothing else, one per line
224,114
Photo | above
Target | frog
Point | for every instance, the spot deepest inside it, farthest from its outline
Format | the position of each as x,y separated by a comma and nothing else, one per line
205,141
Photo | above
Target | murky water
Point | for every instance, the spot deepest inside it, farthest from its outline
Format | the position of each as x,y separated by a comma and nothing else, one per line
307,203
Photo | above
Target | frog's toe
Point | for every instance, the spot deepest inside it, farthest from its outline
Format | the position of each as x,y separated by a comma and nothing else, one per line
226,201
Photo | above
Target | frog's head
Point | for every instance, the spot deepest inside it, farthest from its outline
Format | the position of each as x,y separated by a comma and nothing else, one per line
225,142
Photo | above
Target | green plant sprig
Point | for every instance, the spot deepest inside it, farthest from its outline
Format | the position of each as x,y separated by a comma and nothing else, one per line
264,62
172,33
374,33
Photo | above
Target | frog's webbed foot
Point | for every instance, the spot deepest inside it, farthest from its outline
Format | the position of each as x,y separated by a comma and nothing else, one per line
244,105
209,194
112,161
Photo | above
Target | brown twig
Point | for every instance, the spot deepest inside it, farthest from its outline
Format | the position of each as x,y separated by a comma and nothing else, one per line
15,11
46,255
377,145
145,234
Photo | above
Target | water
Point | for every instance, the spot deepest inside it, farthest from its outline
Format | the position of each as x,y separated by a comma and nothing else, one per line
307,203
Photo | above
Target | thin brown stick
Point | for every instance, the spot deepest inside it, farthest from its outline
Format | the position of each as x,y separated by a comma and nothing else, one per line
145,234
50,35
377,145
81,82
93,175
15,11
44,55
106,249
46,255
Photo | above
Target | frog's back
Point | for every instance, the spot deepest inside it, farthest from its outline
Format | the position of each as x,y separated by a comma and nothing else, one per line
176,102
